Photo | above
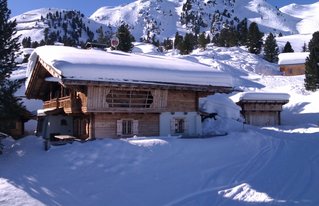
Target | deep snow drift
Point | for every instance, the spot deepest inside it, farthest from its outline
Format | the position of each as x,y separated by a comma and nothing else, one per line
249,165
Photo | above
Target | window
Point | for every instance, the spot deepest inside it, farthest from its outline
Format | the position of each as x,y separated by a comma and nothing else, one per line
179,126
129,99
127,127
63,122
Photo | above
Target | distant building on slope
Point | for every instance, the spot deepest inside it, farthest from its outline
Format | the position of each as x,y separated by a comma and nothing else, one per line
292,63
96,94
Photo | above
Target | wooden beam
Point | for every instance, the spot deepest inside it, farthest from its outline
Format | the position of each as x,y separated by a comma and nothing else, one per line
150,85
50,69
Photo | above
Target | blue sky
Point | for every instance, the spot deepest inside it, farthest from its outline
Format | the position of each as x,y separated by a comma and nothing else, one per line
89,6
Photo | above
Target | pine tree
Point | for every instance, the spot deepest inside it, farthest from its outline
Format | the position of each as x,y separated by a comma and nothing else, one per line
227,37
254,38
314,42
311,72
304,47
202,41
10,106
178,40
242,30
101,38
186,15
288,48
312,68
271,49
168,44
125,37
188,44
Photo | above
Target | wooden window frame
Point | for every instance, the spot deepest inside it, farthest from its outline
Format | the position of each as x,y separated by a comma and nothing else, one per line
179,126
117,98
123,128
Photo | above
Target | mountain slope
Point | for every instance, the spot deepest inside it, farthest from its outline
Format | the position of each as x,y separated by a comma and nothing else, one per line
309,15
143,16
57,25
165,17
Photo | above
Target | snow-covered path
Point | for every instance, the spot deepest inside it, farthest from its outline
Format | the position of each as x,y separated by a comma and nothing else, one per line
268,166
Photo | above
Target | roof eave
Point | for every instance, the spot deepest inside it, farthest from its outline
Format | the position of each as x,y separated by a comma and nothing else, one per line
144,84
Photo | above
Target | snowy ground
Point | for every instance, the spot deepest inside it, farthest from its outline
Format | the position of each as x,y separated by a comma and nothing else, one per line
249,166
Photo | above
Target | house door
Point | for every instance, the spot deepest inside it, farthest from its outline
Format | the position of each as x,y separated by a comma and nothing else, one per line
81,127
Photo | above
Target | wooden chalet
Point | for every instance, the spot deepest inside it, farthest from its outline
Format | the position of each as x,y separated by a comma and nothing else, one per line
292,64
97,94
263,109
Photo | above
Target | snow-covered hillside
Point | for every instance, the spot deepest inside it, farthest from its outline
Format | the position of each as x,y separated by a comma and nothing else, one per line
37,24
307,13
160,19
163,17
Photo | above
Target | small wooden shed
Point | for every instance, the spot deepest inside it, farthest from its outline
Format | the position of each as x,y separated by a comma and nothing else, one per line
292,64
263,109
15,126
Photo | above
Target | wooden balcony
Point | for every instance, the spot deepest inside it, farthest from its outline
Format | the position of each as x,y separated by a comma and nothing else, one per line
68,104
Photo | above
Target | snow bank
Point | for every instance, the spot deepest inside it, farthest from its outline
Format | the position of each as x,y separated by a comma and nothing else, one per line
292,58
297,41
226,118
244,193
80,64
220,104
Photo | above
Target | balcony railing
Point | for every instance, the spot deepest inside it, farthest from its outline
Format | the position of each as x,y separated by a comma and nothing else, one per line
69,105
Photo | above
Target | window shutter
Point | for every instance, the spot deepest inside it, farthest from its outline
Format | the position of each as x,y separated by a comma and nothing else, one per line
119,127
135,127
173,126
186,127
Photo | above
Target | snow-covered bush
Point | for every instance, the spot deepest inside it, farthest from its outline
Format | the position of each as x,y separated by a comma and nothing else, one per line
223,115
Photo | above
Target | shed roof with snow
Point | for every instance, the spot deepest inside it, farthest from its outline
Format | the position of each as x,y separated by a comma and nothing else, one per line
264,96
292,58
71,63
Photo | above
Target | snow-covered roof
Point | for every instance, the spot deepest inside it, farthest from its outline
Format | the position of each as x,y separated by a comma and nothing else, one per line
95,65
292,58
264,96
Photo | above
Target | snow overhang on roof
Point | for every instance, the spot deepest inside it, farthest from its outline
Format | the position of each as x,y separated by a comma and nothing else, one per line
95,65
292,58
264,97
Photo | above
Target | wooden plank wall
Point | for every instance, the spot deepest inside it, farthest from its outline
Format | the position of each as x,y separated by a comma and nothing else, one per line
182,101
261,107
262,118
96,98
292,70
105,124
163,100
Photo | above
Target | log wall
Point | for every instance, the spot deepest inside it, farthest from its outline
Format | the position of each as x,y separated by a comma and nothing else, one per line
182,101
105,125
163,101
292,70
262,118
